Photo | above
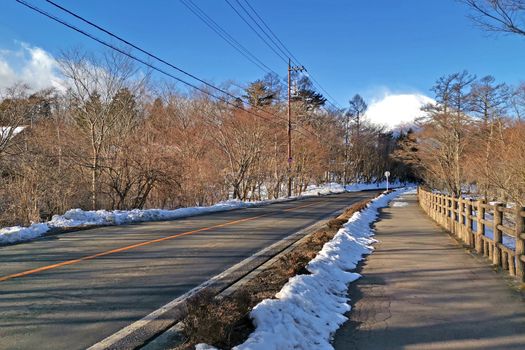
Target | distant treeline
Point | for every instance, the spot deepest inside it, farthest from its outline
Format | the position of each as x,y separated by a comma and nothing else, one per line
113,139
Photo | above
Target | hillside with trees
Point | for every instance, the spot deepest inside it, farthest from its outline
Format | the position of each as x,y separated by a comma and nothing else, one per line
113,138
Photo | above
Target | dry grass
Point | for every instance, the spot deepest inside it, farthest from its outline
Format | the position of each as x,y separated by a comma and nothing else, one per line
225,322
217,321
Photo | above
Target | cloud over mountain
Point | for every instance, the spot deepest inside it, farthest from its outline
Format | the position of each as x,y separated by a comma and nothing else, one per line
397,109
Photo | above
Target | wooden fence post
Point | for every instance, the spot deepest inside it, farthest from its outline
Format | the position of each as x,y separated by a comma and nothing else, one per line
447,213
520,244
461,218
435,210
454,216
444,219
498,235
441,210
432,206
480,215
468,222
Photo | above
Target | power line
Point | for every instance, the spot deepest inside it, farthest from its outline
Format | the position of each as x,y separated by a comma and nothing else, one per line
138,48
261,29
256,32
278,43
295,60
149,53
333,102
197,11
129,55
151,66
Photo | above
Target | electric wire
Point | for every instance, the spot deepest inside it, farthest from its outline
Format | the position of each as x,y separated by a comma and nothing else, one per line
151,54
142,61
273,34
131,56
139,49
261,29
256,32
279,44
213,25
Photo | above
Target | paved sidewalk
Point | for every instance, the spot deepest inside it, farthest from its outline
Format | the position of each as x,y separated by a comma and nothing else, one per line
420,290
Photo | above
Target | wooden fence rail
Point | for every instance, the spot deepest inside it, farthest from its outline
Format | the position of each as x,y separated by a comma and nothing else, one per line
471,221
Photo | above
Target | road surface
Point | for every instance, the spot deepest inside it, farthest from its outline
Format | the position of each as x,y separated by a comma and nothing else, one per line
72,290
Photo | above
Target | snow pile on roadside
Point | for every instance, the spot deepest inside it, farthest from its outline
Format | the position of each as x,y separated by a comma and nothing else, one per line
19,233
80,218
309,308
334,187
374,186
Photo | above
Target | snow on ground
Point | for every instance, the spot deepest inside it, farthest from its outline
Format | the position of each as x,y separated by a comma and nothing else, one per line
508,241
399,204
80,218
9,131
310,308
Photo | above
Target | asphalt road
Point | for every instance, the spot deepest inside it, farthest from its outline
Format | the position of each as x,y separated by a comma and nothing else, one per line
52,297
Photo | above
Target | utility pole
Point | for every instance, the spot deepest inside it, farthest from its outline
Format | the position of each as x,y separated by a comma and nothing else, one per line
347,140
290,159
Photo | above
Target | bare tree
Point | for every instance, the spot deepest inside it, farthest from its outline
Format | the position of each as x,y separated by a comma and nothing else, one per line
517,102
507,16
353,121
15,113
489,103
445,131
93,87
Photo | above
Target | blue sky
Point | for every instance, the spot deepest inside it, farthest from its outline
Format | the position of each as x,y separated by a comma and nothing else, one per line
369,47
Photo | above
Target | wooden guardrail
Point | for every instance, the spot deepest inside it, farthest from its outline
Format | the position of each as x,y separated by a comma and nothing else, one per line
470,221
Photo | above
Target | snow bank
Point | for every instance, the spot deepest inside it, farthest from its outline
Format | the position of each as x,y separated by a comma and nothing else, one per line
338,188
79,218
310,308
19,233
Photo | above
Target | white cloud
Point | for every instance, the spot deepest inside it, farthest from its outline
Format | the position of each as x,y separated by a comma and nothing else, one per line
7,75
30,65
397,109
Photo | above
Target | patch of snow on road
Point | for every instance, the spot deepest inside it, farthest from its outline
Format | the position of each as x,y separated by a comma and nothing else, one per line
398,204
310,308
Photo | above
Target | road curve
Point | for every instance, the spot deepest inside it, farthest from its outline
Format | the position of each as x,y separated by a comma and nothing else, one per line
72,290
